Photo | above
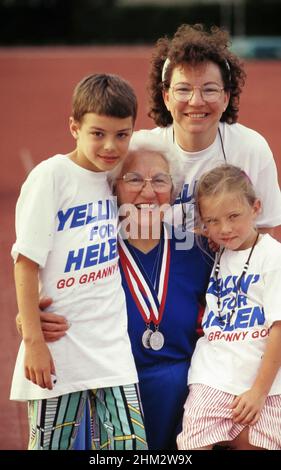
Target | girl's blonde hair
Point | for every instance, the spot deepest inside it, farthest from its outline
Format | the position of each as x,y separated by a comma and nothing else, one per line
224,179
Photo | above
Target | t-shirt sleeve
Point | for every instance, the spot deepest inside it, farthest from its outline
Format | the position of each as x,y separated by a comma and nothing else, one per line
267,188
272,295
35,216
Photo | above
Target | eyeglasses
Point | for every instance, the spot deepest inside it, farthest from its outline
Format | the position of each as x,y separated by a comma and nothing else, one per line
209,93
161,183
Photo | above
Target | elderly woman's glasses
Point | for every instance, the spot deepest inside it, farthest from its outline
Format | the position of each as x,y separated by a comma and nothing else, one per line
160,183
209,93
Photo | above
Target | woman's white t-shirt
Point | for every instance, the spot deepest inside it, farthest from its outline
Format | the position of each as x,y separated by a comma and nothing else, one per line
244,148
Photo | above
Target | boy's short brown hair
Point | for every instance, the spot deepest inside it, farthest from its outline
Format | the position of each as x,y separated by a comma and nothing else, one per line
104,94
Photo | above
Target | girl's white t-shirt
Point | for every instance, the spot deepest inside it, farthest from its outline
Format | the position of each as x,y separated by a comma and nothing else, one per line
228,356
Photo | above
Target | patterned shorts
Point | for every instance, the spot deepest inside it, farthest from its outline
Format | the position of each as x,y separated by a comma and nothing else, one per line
207,420
116,420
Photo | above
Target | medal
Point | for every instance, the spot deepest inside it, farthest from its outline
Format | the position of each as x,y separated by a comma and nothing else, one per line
146,337
149,297
156,340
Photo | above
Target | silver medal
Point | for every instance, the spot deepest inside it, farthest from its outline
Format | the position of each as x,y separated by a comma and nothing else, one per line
156,340
145,338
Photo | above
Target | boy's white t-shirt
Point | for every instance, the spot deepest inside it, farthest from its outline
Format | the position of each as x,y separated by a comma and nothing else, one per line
66,221
228,357
244,148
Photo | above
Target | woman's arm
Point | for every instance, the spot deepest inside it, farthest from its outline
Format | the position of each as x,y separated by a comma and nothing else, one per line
247,406
38,361
269,230
53,326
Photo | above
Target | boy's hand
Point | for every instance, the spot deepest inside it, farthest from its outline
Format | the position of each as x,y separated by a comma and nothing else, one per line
38,364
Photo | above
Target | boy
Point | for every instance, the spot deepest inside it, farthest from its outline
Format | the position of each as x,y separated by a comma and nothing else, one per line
66,223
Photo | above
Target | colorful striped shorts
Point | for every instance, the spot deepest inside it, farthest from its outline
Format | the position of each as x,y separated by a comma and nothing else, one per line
207,420
116,420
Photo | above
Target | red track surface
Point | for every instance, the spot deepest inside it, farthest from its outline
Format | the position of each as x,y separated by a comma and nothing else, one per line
35,91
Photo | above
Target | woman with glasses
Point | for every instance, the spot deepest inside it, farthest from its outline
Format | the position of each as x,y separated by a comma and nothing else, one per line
164,278
194,86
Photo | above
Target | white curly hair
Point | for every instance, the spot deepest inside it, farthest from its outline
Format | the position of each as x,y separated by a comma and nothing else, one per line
148,141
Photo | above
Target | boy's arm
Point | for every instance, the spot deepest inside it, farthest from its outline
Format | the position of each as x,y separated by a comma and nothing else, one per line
38,360
247,406
53,326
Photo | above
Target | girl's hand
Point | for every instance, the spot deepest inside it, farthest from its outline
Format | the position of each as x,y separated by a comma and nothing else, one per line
247,407
39,364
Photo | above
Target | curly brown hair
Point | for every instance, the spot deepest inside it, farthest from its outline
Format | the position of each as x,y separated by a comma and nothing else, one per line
193,44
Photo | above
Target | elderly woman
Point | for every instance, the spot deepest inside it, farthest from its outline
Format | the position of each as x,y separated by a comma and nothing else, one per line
164,277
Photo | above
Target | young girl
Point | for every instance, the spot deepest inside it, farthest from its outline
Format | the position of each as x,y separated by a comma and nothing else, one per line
235,375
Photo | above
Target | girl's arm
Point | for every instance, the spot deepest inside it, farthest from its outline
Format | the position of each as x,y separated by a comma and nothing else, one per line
271,361
247,406
38,361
